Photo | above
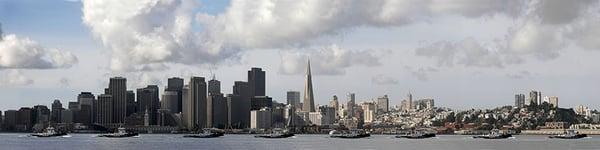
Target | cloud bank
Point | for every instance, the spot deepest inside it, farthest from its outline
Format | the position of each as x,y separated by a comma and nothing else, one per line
23,53
329,60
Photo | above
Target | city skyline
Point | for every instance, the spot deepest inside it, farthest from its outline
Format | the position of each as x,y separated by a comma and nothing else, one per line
424,50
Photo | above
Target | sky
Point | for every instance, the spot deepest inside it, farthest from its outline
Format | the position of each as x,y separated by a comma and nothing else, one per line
463,53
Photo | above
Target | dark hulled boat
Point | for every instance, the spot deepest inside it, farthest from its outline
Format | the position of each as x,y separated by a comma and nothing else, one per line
569,134
50,132
121,133
417,135
276,134
494,134
206,133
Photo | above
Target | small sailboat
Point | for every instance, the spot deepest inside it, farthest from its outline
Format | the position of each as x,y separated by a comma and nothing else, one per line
350,134
569,134
49,132
121,133
206,133
494,134
276,133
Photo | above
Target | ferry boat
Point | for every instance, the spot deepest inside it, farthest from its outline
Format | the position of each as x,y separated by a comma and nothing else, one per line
351,134
569,134
417,135
206,133
50,132
494,134
121,133
276,134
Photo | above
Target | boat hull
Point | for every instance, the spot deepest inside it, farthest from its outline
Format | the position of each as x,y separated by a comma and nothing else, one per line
351,136
49,135
503,136
578,136
275,136
204,136
424,136
119,136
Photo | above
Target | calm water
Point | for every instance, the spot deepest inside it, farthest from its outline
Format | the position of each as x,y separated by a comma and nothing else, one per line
169,141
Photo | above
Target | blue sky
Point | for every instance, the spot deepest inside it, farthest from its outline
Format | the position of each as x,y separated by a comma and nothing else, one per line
462,56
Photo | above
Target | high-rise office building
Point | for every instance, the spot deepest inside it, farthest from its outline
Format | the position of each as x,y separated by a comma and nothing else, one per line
169,101
368,111
293,98
309,98
336,106
520,100
259,102
41,114
25,119
217,111
104,109
214,86
553,100
260,119
410,101
350,105
10,120
148,101
132,106
535,97
56,111
239,105
383,104
117,88
176,84
195,103
87,109
256,81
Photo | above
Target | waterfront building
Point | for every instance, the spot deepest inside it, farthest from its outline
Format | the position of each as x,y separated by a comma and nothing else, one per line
86,113
104,109
217,111
148,101
260,119
56,111
239,105
293,98
383,104
10,120
176,84
117,88
169,101
132,105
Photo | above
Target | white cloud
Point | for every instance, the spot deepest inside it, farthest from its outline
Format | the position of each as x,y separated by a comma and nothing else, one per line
23,53
520,75
384,80
14,77
421,73
330,60
467,52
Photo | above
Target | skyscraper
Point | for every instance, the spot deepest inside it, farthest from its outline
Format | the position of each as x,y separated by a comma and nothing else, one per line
335,104
169,101
520,100
238,105
350,105
256,80
176,84
104,109
410,101
86,113
293,98
148,101
195,103
214,86
383,105
131,104
216,111
309,98
534,97
117,88
553,101
56,111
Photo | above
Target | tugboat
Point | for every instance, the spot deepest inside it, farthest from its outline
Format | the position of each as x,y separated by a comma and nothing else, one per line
121,133
351,134
276,134
50,132
206,133
417,135
494,134
569,134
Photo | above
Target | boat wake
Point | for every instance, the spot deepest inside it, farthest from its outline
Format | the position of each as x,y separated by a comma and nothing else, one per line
137,136
512,137
66,136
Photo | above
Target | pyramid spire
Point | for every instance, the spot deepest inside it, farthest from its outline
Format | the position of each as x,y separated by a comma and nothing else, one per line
309,99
